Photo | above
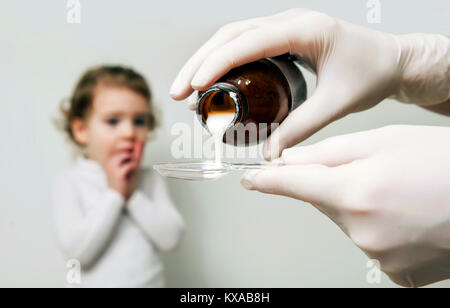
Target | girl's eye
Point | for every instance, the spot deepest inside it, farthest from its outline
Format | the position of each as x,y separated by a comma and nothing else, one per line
113,121
139,122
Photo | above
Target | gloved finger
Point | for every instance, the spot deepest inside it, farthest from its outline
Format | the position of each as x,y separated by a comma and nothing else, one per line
315,184
181,87
335,151
315,113
252,45
297,31
192,100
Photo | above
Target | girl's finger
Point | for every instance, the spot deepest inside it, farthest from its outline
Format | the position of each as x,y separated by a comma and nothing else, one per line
117,159
137,151
130,165
128,169
124,159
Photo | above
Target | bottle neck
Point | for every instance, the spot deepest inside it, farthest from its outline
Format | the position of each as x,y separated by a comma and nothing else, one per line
222,97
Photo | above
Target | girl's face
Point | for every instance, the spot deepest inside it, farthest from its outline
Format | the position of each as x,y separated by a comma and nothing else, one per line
117,120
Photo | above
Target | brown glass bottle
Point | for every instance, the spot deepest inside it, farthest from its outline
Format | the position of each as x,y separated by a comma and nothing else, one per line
259,93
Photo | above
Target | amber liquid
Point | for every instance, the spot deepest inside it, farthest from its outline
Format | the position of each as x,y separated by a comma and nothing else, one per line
264,97
218,102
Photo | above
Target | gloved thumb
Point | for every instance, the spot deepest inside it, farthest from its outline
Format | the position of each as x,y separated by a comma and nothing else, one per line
315,184
314,114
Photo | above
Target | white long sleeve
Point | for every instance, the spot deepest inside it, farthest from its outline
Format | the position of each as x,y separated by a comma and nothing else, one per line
83,234
153,211
115,241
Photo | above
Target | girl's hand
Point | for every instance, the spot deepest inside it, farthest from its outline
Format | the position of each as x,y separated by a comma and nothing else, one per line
121,170
388,189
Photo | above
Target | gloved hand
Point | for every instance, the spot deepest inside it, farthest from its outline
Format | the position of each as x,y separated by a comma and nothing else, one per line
356,67
388,189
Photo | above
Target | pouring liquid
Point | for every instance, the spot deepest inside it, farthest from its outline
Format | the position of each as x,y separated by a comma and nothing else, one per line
218,122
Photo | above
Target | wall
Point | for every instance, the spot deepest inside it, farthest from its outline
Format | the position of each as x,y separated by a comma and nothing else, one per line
235,238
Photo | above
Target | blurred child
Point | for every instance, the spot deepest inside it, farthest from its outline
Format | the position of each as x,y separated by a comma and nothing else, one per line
110,214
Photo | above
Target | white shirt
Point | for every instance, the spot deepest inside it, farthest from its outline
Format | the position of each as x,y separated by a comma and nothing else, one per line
116,242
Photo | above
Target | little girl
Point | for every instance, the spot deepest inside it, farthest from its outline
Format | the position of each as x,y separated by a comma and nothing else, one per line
110,214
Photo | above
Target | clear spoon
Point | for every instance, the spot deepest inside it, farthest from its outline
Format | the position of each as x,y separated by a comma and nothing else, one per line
206,170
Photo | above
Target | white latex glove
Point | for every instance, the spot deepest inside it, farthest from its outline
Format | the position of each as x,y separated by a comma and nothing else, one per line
356,67
388,189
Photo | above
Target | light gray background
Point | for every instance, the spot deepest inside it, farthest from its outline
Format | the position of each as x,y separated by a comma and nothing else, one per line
235,238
